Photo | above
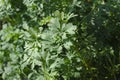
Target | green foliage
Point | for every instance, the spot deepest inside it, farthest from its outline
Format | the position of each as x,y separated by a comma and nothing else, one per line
60,40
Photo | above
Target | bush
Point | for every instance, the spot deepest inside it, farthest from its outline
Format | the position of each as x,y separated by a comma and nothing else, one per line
59,40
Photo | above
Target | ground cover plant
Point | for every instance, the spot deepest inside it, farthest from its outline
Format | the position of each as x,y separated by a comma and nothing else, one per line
59,39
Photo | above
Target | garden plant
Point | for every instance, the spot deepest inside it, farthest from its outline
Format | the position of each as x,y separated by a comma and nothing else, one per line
59,39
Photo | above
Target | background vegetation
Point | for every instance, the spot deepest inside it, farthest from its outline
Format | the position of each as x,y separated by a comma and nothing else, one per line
60,40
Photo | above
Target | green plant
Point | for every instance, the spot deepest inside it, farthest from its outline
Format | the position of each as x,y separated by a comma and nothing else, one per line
59,40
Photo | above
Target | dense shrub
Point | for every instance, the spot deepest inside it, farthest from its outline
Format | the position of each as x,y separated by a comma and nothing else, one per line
59,40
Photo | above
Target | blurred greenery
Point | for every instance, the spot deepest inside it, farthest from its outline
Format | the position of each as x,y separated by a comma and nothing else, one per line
59,39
